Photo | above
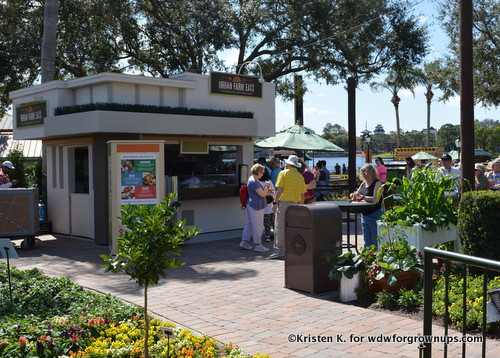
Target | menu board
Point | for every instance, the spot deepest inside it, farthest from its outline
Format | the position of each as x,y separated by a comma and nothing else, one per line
135,177
138,178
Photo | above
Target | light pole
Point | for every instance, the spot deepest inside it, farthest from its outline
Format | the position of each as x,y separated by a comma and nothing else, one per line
368,139
261,77
458,144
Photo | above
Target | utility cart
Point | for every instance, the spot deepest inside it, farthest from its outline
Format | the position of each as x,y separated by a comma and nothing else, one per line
19,215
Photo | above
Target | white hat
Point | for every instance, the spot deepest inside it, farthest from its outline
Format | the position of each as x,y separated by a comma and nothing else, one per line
293,160
7,164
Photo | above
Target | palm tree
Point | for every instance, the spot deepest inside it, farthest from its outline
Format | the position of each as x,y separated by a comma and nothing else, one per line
395,81
49,40
427,77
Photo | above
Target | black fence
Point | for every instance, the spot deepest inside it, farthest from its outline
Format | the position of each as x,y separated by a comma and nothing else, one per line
488,266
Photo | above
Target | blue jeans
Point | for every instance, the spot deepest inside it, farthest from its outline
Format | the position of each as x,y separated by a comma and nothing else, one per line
369,227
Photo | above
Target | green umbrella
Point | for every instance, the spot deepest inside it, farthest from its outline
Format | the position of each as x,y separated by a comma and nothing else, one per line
482,153
423,156
299,138
454,154
477,153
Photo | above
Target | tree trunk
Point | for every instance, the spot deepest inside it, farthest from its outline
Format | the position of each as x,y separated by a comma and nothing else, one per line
146,322
429,96
395,100
49,40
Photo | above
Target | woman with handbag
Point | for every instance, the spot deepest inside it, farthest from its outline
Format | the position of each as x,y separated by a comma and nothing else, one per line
257,192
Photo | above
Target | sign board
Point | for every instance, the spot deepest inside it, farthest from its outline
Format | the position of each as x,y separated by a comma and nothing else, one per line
7,250
28,114
235,85
136,177
402,153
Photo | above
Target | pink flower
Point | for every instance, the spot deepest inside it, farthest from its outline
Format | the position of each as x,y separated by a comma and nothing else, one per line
22,341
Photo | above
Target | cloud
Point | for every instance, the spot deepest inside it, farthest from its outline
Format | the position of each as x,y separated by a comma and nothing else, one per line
318,112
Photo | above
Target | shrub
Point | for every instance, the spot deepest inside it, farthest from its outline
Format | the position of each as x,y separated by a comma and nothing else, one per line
477,224
385,299
409,300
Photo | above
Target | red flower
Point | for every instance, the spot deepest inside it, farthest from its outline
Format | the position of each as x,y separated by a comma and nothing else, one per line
22,341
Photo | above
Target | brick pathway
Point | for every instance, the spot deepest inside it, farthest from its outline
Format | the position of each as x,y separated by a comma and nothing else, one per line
238,296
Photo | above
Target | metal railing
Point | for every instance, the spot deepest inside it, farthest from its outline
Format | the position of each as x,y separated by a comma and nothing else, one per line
466,260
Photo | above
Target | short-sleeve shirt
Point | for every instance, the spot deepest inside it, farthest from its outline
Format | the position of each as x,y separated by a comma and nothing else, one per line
382,172
309,177
293,185
4,180
256,201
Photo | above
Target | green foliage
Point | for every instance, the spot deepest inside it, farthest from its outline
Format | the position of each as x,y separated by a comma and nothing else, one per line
385,300
474,300
346,263
392,257
477,224
34,174
149,246
16,156
56,318
409,300
486,35
142,108
151,242
422,200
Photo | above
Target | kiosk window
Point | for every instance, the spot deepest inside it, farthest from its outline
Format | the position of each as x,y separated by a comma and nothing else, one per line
81,170
203,175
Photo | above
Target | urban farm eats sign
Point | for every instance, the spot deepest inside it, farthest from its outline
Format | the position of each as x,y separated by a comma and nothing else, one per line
31,113
236,85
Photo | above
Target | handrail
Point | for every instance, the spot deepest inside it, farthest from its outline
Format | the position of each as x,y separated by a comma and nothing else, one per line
470,260
429,255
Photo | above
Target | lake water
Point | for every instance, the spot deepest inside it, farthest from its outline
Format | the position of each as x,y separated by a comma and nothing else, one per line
332,161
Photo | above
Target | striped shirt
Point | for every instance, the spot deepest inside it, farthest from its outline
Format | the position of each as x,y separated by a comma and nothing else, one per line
293,185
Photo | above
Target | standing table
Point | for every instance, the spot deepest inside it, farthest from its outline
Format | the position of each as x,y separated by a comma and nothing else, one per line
350,207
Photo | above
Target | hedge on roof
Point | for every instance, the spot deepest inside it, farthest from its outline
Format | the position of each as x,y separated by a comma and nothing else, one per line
120,107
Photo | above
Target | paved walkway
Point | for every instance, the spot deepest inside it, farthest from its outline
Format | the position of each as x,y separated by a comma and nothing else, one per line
238,296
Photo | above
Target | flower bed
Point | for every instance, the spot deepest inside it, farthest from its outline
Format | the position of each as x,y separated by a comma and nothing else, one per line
51,317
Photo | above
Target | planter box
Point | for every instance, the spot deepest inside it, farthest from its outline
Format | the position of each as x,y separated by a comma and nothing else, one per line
421,238
406,279
348,287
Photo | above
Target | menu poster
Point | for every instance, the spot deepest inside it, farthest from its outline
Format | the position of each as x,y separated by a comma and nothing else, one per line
138,179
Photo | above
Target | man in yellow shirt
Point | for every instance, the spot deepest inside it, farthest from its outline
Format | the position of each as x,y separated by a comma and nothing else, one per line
290,189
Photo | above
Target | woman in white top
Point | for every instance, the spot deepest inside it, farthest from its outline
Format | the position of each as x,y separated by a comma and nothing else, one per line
494,174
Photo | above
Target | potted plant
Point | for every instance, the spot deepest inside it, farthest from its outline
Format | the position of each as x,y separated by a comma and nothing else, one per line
394,264
348,269
425,205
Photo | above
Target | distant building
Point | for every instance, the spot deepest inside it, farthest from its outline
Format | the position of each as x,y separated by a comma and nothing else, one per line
32,149
378,129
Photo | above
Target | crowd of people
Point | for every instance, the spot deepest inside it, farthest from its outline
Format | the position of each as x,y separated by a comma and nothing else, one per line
292,181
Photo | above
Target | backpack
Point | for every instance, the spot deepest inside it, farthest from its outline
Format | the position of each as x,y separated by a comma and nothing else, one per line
243,196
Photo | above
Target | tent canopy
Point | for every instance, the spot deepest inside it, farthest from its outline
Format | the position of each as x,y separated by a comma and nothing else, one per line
423,156
299,138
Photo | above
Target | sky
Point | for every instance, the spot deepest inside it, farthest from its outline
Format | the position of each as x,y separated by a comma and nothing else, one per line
328,104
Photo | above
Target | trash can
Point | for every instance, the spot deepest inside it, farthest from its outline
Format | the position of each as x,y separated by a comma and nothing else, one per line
311,231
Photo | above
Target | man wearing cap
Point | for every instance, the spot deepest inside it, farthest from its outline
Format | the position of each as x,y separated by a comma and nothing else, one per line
290,189
449,170
5,182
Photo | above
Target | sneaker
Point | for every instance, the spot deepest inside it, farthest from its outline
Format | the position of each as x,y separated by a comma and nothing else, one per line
260,248
245,245
275,256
